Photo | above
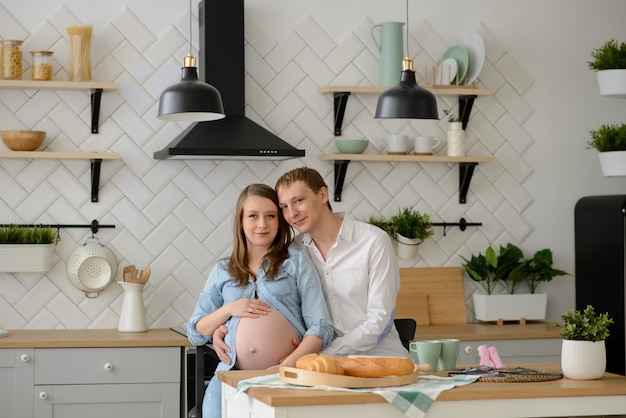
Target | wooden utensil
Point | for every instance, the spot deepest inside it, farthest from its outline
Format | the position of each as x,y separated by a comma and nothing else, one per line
127,273
144,275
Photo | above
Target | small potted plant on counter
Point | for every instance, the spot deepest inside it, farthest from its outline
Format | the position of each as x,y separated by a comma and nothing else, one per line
583,354
609,63
610,141
410,228
26,249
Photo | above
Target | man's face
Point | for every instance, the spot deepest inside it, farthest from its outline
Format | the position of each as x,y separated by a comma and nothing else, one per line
301,207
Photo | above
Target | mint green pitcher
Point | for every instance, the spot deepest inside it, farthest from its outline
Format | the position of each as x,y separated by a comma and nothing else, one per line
390,48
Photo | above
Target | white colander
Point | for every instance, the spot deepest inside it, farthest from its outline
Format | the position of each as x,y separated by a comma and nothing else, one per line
91,268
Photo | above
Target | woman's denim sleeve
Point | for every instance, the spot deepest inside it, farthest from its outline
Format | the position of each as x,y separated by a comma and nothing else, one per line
210,299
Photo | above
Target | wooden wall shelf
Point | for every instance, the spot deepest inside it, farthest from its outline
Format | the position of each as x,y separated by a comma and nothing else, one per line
96,92
466,167
95,157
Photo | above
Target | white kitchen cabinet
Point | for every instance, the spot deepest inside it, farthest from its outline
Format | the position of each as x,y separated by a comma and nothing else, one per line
536,350
121,382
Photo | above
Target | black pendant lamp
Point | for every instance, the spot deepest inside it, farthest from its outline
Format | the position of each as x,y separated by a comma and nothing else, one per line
407,100
190,100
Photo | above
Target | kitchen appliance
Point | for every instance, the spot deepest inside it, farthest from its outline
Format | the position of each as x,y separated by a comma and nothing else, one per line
600,245
221,64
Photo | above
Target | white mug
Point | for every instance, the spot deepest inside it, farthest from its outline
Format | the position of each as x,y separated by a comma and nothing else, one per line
424,145
396,144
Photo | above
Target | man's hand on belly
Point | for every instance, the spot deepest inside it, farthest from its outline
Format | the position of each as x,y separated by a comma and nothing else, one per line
220,347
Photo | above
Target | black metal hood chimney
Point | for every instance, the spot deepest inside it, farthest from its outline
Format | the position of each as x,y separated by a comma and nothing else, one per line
221,63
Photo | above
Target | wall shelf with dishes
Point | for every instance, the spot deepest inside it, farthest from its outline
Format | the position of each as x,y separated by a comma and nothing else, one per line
95,157
466,96
95,87
466,167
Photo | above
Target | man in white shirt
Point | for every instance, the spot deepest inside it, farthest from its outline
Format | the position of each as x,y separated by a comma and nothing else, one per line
356,263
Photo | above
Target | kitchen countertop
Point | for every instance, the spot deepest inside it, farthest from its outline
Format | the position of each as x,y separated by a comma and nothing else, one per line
65,338
487,331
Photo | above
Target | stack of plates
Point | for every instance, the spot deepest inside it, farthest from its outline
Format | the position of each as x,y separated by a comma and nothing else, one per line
469,56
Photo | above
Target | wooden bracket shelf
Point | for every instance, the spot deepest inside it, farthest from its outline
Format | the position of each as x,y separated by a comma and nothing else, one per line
466,167
95,157
342,93
96,92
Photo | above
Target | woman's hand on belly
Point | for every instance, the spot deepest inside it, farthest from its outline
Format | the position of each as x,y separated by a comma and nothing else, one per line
248,308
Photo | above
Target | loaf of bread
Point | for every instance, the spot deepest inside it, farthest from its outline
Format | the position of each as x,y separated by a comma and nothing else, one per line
357,366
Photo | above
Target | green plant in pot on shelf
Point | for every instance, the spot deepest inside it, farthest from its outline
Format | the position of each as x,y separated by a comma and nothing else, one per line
609,63
410,228
584,332
488,269
382,223
533,271
610,141
26,249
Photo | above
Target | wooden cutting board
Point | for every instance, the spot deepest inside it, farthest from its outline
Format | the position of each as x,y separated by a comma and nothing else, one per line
301,377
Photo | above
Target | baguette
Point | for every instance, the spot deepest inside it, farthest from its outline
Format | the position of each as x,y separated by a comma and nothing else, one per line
357,366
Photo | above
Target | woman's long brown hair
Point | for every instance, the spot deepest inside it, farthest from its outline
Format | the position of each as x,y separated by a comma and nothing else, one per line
278,252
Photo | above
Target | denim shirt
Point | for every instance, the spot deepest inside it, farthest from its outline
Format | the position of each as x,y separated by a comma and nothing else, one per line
296,293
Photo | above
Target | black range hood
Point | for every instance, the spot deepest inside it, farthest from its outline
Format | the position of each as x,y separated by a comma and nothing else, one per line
221,63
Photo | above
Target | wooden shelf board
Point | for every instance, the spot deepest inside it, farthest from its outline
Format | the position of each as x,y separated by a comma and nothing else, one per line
438,90
408,158
62,85
61,155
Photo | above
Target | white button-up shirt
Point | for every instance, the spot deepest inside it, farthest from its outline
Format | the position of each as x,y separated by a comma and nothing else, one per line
361,280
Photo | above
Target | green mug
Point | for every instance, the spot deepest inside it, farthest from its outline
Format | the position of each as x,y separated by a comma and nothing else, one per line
449,353
428,352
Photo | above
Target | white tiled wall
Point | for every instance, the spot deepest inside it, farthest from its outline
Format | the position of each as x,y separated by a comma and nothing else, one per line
175,215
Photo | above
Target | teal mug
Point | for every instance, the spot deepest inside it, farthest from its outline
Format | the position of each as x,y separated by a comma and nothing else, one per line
428,352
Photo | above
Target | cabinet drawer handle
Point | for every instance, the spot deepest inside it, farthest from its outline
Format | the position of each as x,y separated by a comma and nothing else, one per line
108,367
25,358
469,349
43,395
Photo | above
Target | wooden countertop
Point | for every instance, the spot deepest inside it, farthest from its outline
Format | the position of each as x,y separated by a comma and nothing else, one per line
609,384
92,338
488,331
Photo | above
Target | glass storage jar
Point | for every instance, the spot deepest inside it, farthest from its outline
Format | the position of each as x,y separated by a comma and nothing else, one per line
11,59
41,68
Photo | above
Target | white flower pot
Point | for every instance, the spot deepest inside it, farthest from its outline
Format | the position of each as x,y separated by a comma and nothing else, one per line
406,248
612,83
613,163
510,307
583,360
26,257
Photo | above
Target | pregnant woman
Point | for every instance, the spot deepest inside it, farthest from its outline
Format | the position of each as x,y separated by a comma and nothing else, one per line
268,293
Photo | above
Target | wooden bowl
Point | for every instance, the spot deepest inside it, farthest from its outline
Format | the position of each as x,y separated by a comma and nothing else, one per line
23,140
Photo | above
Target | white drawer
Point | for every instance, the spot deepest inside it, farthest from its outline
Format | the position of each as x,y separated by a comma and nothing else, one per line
107,365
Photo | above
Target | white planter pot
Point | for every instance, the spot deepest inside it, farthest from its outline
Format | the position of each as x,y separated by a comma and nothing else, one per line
613,163
26,257
510,307
406,248
583,360
612,83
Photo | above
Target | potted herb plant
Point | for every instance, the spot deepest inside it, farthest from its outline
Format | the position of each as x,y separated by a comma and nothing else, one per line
610,141
456,135
410,228
609,63
26,249
583,353
382,223
534,271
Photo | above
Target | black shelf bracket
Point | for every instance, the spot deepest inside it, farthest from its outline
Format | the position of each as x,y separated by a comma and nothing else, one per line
96,164
96,96
462,224
466,170
341,167
465,108
340,101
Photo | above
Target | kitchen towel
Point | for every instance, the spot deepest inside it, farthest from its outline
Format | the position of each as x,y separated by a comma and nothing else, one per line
413,400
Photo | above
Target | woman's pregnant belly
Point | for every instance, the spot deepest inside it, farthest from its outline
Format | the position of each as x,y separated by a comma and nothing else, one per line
264,341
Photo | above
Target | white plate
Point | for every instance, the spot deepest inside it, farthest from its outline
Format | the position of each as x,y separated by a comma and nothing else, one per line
475,47
446,71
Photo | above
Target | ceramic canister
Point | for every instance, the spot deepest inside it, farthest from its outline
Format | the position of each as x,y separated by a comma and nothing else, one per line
390,48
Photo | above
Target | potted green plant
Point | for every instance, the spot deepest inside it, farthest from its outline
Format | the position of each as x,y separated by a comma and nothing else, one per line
583,353
488,269
456,135
609,63
610,141
410,228
26,249
534,271
382,223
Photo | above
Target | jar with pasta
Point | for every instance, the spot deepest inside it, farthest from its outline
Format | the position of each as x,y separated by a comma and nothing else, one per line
41,68
11,59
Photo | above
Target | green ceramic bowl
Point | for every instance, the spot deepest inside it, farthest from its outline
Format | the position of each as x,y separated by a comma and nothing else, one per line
351,146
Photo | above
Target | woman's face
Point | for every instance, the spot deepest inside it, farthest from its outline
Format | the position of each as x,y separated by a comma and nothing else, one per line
259,221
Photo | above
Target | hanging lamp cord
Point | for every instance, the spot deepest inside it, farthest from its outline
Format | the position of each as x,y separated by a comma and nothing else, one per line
407,28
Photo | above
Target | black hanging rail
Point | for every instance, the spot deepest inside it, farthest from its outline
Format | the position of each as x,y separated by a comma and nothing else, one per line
94,226
462,224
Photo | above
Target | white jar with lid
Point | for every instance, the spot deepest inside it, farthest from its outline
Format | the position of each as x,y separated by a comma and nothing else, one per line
11,59
41,68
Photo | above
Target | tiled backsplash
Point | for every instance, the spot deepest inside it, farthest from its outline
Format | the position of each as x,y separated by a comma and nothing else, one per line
175,215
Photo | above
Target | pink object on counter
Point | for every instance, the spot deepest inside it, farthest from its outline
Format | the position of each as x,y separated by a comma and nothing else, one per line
495,358
485,358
